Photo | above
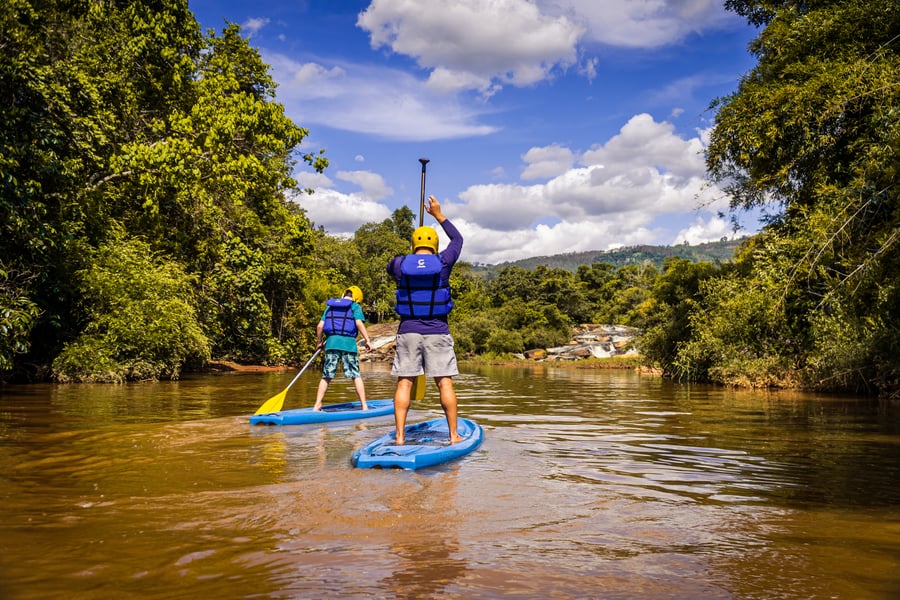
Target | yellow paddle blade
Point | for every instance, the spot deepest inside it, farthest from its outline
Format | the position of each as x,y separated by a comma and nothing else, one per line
419,385
273,404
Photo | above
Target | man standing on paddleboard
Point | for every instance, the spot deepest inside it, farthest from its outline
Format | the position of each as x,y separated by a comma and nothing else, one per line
424,342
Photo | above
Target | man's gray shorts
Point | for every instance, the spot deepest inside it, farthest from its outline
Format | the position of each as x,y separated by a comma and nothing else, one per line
433,352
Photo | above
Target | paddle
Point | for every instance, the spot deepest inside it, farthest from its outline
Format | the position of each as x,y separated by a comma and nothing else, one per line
418,388
275,403
419,383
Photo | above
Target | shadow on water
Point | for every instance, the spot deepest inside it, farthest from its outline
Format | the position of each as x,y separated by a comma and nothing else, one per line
589,484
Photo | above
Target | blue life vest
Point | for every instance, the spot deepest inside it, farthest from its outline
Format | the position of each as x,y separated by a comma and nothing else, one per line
421,294
339,318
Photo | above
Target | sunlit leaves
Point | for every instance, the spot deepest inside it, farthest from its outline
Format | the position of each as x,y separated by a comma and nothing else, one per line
142,318
815,129
126,117
18,313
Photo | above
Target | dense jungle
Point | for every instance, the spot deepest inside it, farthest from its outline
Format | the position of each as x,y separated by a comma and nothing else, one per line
149,220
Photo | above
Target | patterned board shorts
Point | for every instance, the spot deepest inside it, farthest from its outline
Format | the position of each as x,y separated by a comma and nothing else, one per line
350,362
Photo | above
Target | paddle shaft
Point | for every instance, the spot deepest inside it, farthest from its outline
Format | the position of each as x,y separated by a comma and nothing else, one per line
424,162
309,362
418,389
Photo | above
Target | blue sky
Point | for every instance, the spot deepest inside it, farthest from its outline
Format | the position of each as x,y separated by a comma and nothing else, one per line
551,126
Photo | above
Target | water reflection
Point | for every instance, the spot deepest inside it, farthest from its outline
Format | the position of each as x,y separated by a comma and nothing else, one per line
425,548
588,484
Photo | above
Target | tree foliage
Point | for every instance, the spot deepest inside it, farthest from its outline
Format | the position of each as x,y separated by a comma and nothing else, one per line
815,128
671,302
17,316
124,116
141,322
149,219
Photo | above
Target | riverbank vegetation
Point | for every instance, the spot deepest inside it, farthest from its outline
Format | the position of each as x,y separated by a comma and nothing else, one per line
149,220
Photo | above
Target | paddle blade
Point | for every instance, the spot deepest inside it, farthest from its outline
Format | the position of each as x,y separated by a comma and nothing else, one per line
273,404
418,390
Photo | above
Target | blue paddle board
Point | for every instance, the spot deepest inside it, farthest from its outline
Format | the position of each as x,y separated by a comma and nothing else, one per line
426,444
329,412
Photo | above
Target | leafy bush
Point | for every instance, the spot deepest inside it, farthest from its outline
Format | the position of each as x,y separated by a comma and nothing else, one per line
141,323
545,337
739,336
502,341
17,316
471,333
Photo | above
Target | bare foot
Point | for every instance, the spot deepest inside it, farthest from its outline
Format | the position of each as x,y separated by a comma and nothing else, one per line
398,440
456,439
317,407
365,406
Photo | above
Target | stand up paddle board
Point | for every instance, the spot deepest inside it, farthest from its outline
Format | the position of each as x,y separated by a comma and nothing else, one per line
329,412
426,444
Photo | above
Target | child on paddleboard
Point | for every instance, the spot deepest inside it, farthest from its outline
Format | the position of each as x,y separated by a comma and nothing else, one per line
423,303
341,322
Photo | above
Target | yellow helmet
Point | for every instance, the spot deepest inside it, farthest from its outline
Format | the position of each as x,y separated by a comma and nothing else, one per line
425,237
355,293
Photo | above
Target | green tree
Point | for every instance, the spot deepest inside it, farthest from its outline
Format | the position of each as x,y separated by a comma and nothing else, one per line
402,222
141,318
124,115
17,316
80,78
814,129
211,180
617,297
471,330
512,283
469,291
562,289
377,244
675,297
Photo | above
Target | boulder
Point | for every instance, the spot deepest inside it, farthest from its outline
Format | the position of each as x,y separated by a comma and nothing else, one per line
588,340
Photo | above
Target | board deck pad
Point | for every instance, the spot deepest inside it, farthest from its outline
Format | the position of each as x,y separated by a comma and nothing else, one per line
426,444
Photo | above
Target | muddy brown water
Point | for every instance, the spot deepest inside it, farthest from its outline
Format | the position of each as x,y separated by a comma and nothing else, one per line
590,484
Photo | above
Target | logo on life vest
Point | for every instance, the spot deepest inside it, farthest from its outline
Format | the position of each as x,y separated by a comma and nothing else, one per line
420,264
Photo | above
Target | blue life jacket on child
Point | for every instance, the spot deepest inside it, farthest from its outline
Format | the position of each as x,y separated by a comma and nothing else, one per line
339,318
421,294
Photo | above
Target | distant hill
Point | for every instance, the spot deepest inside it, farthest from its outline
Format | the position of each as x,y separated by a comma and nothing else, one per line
714,252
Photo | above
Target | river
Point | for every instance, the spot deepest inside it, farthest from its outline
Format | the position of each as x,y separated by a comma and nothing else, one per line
590,484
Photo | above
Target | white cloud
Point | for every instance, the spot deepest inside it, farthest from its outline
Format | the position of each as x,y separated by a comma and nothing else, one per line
548,161
503,207
589,68
372,184
617,195
473,44
373,100
312,80
343,213
704,230
484,245
314,180
253,26
644,23
642,173
643,141
340,213
480,45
